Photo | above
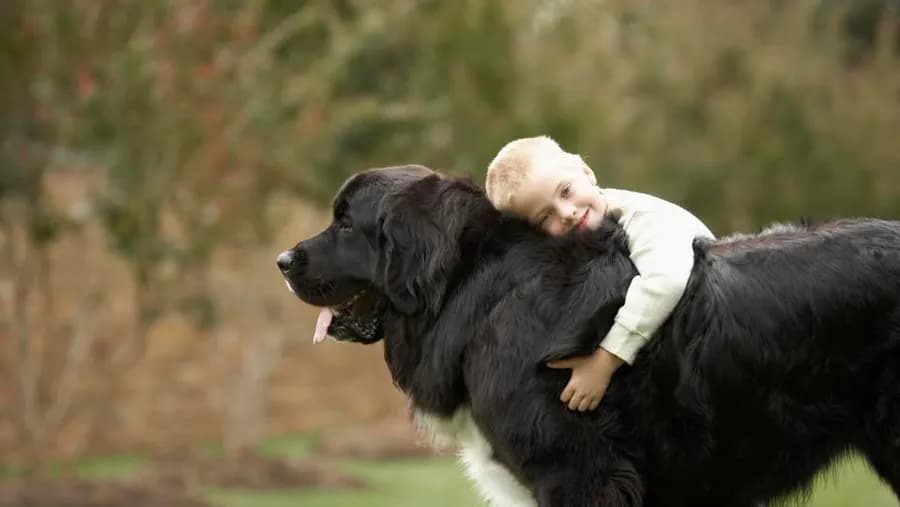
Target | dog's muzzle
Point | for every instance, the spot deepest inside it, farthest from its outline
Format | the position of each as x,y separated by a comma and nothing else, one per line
291,260
288,265
284,261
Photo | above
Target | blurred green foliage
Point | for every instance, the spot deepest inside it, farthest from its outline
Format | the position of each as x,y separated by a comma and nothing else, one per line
197,113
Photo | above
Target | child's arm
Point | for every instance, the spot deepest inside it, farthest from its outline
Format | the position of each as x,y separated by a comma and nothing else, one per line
661,247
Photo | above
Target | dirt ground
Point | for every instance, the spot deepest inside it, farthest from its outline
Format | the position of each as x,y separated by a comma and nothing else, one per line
177,481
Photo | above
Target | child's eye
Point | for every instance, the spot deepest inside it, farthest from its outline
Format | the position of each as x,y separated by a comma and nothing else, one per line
565,191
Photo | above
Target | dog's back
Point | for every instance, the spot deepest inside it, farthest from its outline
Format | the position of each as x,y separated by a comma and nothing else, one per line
790,350
782,345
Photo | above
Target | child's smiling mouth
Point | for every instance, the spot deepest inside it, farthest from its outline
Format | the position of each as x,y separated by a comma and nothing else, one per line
583,222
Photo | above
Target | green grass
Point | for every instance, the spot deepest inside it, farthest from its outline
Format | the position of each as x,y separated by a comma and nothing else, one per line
282,446
110,467
439,482
851,484
289,446
104,467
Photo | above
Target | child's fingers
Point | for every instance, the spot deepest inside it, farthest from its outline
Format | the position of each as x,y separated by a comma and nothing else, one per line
567,393
561,363
594,404
575,402
585,404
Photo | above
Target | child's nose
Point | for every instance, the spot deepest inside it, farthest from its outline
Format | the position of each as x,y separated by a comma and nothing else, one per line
567,212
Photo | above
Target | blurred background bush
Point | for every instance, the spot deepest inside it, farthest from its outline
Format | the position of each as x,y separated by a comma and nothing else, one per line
155,155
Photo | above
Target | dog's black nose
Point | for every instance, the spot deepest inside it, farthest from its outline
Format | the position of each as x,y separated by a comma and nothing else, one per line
284,261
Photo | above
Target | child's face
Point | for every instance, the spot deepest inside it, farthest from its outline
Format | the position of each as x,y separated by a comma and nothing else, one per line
559,196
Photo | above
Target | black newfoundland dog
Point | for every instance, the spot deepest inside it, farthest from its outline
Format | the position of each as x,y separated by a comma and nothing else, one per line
783,354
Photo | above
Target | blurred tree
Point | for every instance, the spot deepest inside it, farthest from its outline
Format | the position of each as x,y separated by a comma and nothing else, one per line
196,115
867,25
46,349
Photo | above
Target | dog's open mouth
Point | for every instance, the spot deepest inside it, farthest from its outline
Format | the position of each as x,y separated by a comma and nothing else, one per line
359,319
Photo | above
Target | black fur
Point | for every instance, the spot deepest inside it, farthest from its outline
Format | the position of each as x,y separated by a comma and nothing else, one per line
783,354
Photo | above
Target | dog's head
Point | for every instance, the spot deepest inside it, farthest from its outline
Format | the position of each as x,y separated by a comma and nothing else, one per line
392,244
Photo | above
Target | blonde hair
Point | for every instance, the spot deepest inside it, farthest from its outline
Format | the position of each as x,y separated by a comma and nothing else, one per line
513,164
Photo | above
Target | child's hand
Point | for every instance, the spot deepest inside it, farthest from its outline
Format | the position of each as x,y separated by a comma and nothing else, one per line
590,378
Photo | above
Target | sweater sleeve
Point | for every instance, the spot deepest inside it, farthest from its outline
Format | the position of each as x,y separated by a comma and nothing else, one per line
662,251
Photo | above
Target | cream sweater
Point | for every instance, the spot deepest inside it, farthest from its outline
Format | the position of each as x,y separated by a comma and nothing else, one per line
660,237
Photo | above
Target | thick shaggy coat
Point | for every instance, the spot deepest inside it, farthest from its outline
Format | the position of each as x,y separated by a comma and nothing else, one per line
783,354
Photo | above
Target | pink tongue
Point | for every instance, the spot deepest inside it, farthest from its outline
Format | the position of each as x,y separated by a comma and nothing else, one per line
325,316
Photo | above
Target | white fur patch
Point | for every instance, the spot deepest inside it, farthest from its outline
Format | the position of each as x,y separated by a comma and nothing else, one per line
289,286
781,228
776,228
493,481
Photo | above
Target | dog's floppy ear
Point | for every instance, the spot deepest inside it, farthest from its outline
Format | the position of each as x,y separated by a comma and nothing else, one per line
419,244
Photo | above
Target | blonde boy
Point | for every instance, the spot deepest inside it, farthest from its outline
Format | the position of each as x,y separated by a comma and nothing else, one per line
537,180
